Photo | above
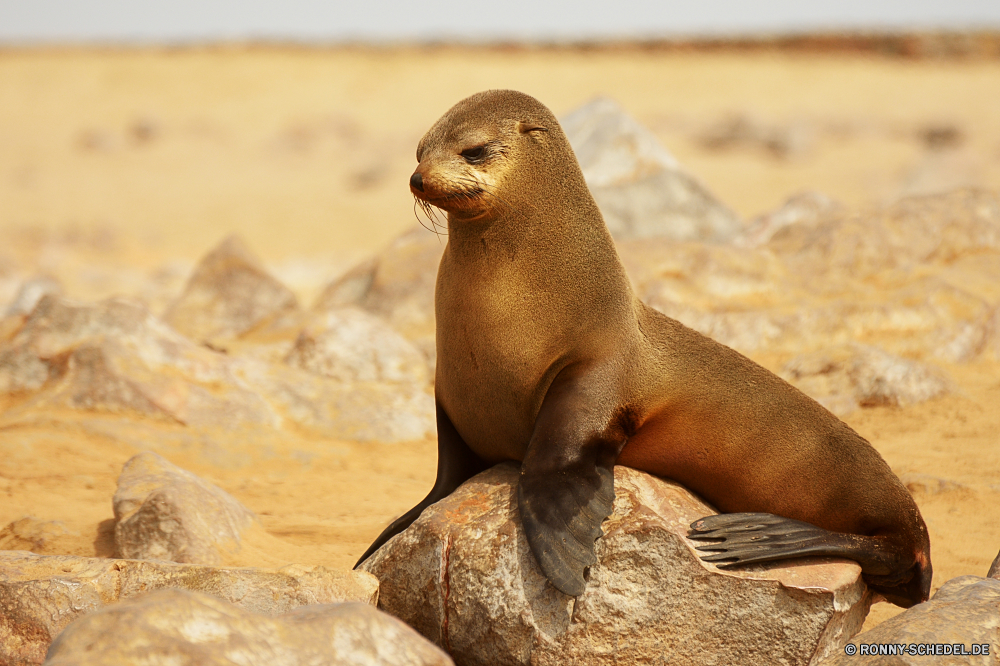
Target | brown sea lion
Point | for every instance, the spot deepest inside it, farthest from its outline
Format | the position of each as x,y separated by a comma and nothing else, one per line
546,356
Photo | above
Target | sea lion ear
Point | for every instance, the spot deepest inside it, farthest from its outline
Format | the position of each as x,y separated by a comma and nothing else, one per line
525,127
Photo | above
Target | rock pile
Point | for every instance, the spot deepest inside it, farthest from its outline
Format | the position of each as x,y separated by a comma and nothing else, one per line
463,576
183,627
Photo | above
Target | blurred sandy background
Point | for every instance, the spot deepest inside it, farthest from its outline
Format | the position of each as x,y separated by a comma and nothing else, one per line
119,168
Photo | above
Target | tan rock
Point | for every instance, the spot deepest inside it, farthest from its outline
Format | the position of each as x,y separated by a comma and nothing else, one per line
177,627
915,231
805,208
641,189
163,512
230,294
851,376
350,345
30,533
397,285
462,575
30,292
360,411
40,595
964,612
115,356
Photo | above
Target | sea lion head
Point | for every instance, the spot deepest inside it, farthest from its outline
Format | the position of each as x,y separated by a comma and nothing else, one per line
489,154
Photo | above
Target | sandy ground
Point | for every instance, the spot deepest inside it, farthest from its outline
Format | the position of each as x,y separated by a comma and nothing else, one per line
118,169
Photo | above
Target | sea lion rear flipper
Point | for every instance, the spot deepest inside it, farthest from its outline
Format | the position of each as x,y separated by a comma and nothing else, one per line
567,486
735,539
456,465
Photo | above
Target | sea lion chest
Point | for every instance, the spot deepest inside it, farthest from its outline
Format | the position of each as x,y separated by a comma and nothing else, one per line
498,350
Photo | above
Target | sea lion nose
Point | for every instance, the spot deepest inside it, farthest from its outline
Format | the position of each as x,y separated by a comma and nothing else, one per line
417,182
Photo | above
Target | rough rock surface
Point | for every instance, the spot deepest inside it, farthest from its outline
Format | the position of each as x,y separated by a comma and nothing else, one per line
115,357
350,345
163,512
30,533
845,378
896,278
177,627
641,189
230,294
805,208
462,575
965,611
40,595
397,285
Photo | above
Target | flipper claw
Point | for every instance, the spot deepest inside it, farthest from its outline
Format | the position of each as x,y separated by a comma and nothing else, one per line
735,539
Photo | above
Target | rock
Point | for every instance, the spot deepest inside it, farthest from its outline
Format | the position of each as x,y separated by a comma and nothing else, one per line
30,533
361,411
462,575
994,571
174,627
746,131
397,285
965,611
30,292
115,356
914,232
350,345
805,208
851,376
40,595
641,189
163,512
229,295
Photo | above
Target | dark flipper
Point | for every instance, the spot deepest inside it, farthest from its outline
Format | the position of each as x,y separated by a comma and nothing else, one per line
735,539
567,486
562,515
456,465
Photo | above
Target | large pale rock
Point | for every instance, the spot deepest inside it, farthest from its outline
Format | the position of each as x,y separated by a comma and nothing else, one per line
463,576
230,294
845,378
115,356
397,285
641,189
965,611
833,278
805,208
912,232
40,595
163,512
177,627
361,410
30,292
350,345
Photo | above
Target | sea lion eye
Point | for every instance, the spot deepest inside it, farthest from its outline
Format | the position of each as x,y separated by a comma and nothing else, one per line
474,155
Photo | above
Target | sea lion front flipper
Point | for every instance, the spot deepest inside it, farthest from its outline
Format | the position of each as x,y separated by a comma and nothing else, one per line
735,539
456,465
567,486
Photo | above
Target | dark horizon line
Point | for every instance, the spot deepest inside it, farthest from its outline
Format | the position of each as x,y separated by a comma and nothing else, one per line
889,42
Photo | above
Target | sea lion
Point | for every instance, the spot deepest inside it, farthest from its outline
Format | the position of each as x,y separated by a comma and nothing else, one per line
546,356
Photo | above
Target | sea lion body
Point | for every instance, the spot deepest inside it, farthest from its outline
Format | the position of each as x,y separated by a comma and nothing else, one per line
546,356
